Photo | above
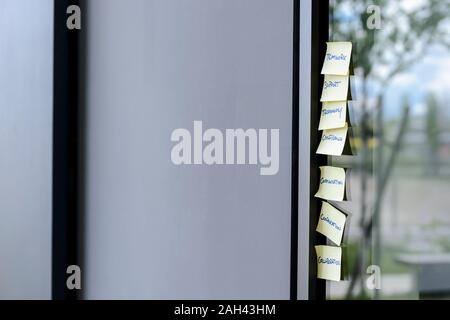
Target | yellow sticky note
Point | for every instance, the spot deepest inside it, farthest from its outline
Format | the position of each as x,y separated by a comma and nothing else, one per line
333,141
337,58
331,223
329,262
332,183
335,88
333,115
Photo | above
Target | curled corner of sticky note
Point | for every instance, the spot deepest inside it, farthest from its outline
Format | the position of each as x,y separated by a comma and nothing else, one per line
331,223
329,262
337,58
331,184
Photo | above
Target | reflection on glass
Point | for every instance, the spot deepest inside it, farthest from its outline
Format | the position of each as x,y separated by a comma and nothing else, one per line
400,208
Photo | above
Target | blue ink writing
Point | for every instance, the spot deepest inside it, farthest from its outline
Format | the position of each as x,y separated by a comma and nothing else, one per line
336,57
331,137
326,112
329,261
331,84
328,181
330,222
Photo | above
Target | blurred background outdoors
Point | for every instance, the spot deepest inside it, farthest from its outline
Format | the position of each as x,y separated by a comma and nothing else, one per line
400,177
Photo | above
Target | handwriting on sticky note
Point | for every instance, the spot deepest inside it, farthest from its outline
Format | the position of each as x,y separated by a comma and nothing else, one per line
333,115
335,88
331,223
332,183
333,141
329,262
337,58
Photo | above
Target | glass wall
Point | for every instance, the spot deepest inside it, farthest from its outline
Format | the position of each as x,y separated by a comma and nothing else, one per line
400,180
26,111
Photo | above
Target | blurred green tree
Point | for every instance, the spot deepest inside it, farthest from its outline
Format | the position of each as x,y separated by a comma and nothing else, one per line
432,132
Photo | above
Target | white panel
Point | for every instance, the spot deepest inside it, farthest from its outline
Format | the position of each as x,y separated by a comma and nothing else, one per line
26,78
155,230
304,193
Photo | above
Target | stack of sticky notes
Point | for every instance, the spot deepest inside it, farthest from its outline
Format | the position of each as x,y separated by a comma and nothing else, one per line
334,142
331,221
335,94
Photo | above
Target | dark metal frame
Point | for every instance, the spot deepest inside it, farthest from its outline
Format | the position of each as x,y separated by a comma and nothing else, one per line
295,149
320,31
66,102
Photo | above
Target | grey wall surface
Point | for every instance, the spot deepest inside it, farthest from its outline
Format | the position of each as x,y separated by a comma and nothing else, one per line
304,193
26,73
160,231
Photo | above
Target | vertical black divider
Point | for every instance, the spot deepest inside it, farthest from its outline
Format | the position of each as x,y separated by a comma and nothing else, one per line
320,19
295,149
65,200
